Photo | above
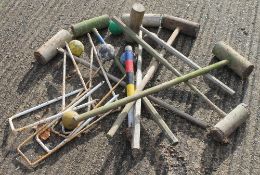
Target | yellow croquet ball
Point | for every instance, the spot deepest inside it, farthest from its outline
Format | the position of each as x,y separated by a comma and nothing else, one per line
76,47
68,120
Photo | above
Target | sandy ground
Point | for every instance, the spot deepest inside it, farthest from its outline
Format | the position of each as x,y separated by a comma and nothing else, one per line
25,25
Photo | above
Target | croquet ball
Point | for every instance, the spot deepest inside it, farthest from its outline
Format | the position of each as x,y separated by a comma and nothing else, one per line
106,51
68,121
76,47
114,28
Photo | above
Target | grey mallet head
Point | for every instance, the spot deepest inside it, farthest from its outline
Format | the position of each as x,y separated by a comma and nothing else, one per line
186,27
239,64
230,123
106,51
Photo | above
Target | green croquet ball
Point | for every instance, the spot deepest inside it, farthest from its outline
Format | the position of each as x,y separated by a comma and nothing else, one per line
76,47
114,28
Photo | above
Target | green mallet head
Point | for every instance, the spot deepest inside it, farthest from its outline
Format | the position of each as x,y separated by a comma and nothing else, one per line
114,28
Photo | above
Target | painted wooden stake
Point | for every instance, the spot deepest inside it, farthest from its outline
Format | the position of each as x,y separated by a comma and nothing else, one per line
130,87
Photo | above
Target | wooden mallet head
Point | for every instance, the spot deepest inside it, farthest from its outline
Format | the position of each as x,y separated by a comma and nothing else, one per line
186,27
239,64
49,49
230,123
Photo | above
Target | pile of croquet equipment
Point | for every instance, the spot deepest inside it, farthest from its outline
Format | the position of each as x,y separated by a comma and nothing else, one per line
69,124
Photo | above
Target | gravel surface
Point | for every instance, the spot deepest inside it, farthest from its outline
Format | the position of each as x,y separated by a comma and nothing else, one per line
25,25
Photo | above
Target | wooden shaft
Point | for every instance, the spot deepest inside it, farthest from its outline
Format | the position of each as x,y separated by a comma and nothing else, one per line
64,81
90,74
154,64
149,91
173,36
211,104
135,142
76,67
159,120
182,114
120,119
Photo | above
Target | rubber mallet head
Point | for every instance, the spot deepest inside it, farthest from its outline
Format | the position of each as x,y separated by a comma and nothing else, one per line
227,125
49,49
86,26
239,64
186,27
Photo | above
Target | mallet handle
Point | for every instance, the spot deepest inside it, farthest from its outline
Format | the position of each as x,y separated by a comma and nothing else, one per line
150,91
100,39
159,120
